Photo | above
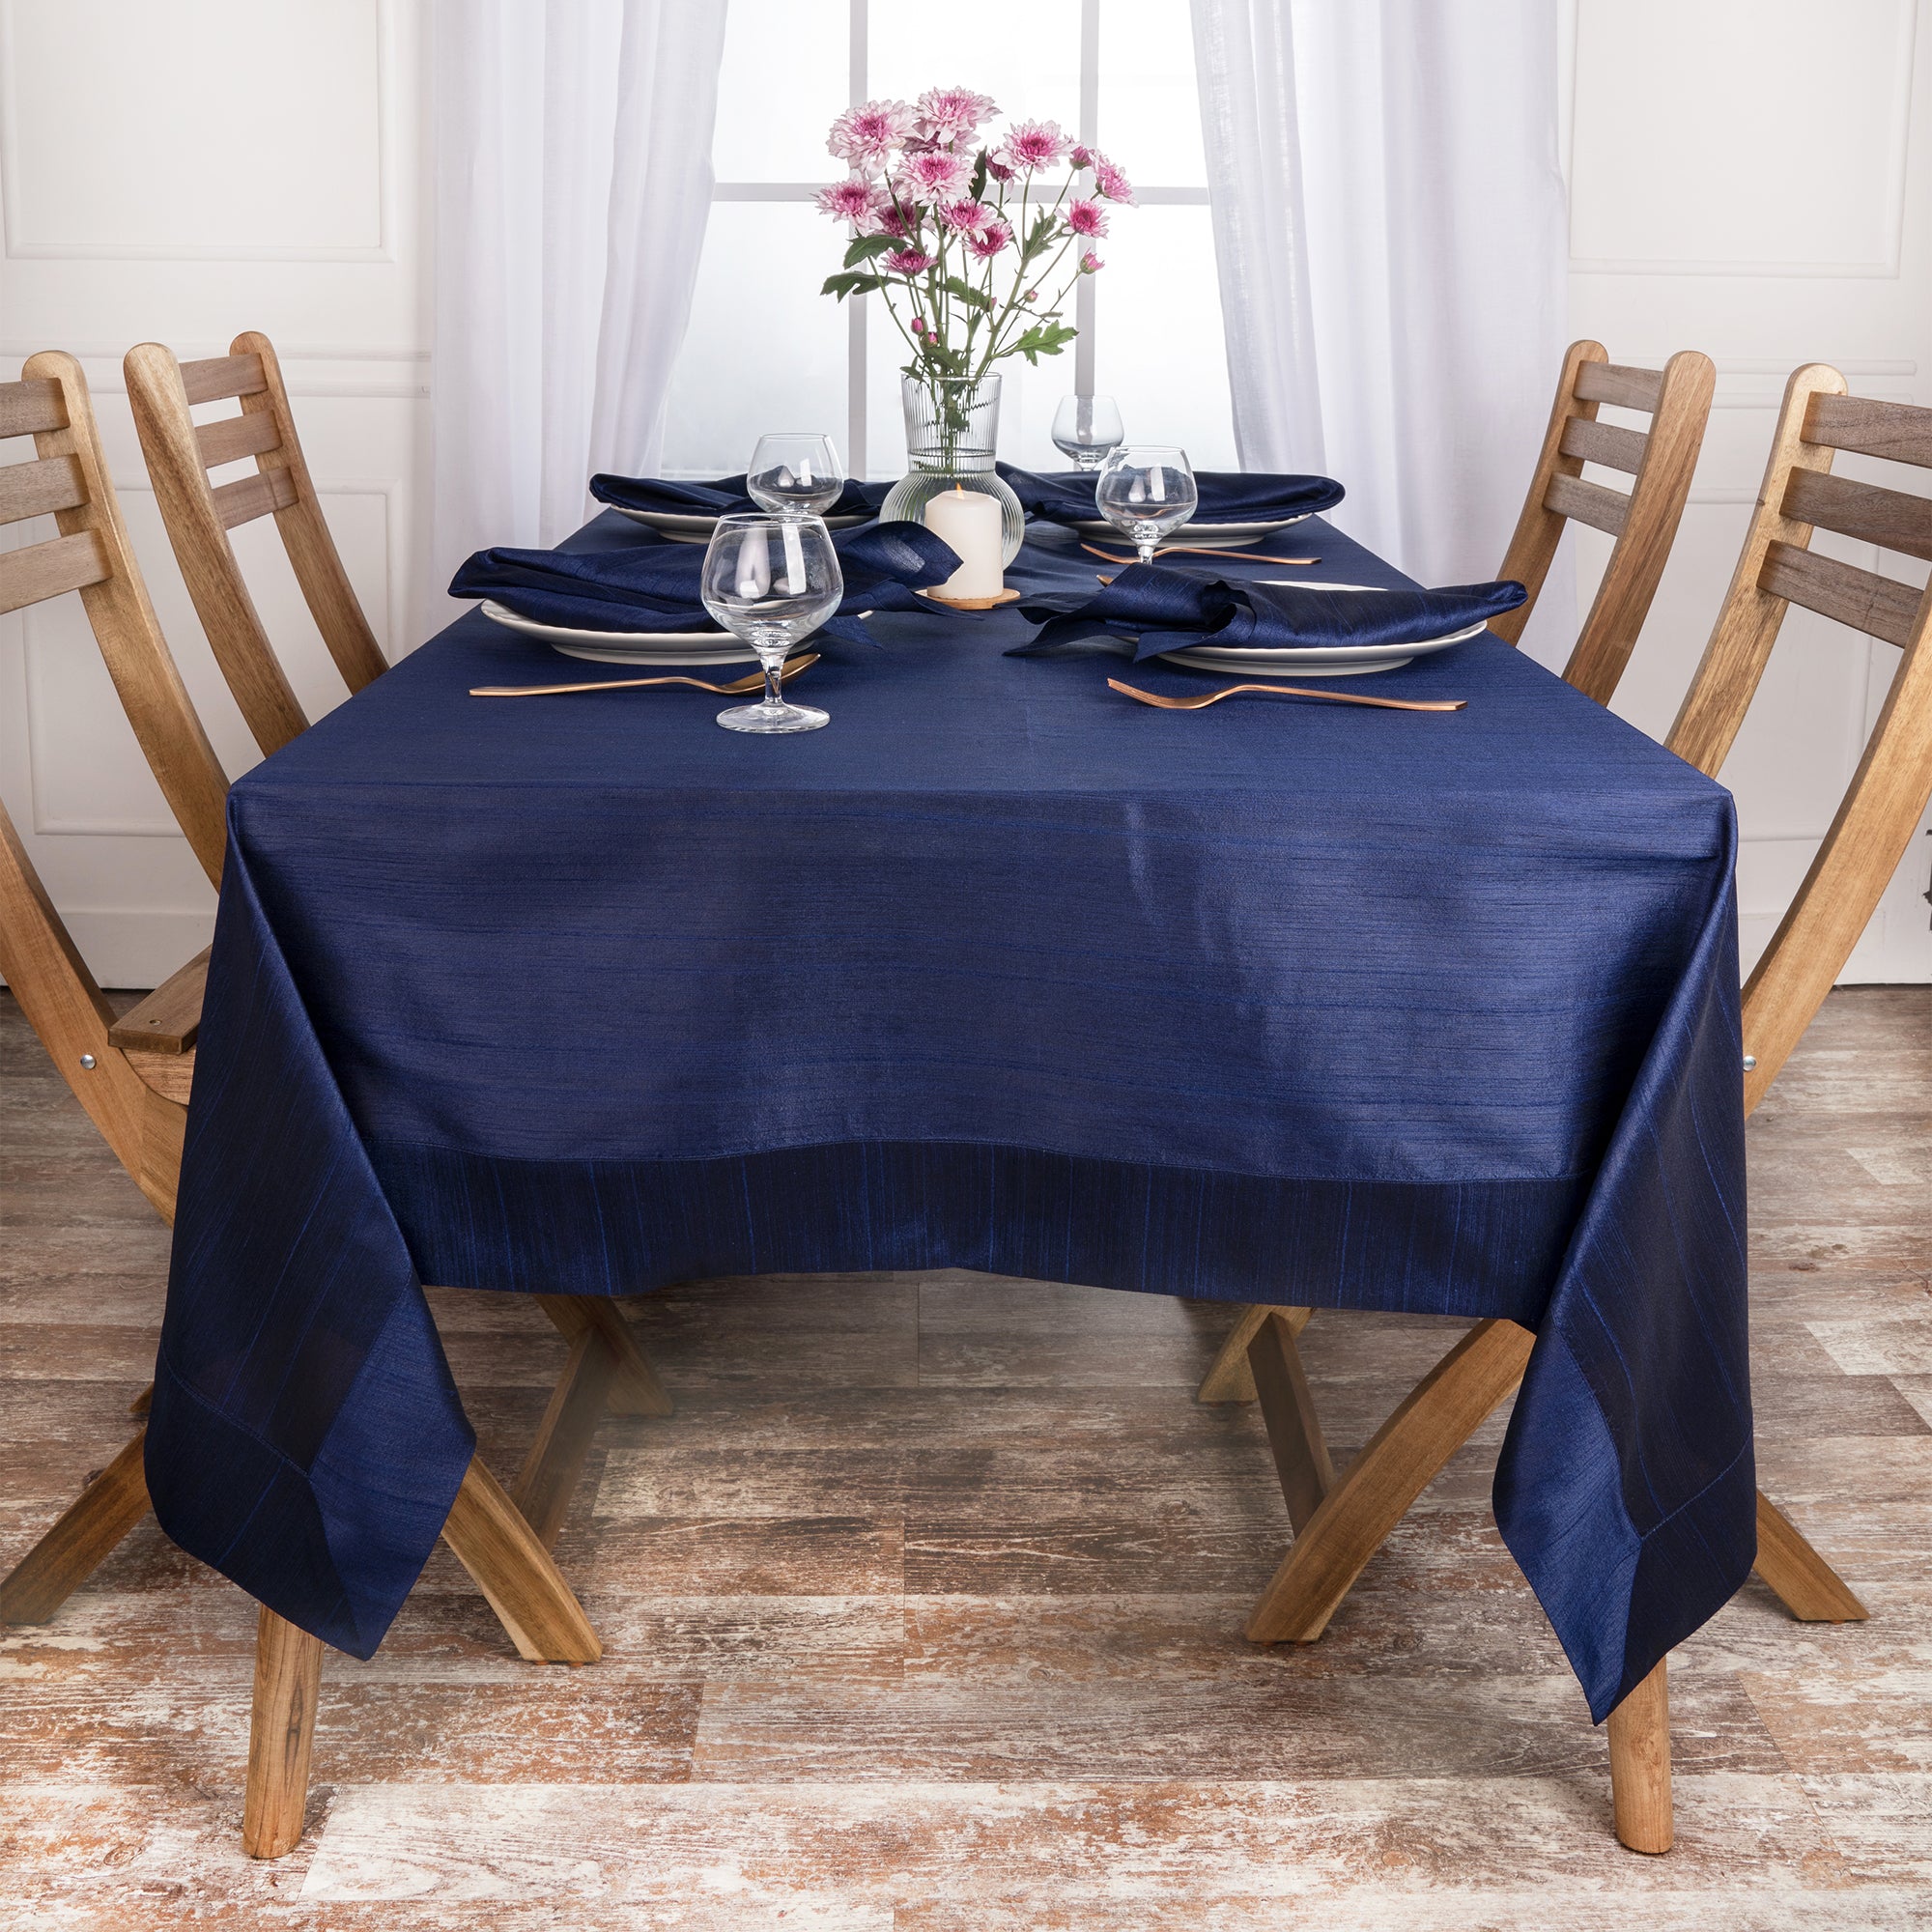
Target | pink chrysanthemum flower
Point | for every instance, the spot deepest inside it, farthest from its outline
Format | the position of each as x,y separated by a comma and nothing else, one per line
965,217
866,137
1034,144
937,175
949,115
896,223
1112,181
1091,263
989,239
1087,218
997,167
906,261
855,199
1082,156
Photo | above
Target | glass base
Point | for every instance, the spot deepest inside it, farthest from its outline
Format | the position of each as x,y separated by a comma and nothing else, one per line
763,716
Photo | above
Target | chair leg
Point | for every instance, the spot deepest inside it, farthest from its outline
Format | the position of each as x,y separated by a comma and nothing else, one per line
85,1535
1404,1455
1808,1587
1230,1379
1288,1409
1641,1766
555,1464
634,1389
281,1734
514,1571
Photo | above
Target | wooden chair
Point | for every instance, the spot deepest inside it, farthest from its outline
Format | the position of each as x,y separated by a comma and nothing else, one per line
133,1075
1339,1524
1677,399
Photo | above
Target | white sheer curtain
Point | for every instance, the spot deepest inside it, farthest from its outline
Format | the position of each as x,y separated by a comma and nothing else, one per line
572,171
1390,239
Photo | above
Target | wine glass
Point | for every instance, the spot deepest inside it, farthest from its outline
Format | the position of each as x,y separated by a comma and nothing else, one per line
1147,491
1084,428
771,581
796,475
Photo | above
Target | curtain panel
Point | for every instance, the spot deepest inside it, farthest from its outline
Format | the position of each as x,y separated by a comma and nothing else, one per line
1390,235
571,163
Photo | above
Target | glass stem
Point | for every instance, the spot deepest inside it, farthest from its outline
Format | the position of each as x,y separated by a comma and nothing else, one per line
771,652
1147,540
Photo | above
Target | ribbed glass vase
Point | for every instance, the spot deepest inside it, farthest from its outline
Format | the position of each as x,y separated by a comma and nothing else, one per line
951,426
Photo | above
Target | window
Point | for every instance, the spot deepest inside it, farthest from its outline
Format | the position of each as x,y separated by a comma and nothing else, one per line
766,351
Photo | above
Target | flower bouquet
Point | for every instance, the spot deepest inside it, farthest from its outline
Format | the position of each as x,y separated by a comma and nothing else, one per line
975,245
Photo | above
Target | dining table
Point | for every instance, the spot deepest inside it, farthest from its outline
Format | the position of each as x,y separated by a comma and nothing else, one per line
1280,1001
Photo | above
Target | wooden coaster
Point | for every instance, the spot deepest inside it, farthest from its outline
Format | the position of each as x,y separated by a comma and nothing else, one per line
972,603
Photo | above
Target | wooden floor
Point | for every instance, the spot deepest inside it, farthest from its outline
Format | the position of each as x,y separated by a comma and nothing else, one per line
924,1613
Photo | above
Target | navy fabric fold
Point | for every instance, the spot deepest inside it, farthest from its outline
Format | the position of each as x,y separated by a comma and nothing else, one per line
1347,1009
719,498
1226,495
653,585
1149,608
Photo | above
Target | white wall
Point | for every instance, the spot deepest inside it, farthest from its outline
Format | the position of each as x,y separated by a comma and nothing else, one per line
1744,181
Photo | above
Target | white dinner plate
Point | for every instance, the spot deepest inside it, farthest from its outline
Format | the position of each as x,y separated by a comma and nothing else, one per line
1318,660
697,529
1216,536
630,647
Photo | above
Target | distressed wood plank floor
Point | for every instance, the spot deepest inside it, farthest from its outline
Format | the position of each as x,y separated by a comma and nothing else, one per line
924,1615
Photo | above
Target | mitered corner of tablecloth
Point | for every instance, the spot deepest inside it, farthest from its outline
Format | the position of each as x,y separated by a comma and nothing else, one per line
1619,1599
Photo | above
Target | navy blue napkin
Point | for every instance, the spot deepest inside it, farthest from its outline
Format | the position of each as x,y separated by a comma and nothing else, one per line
1148,609
1226,495
720,498
654,586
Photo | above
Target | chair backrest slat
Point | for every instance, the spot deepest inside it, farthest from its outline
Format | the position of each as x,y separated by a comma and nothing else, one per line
1622,389
94,556
250,497
1867,428
199,514
1659,463
1605,510
39,488
232,437
1842,591
43,570
27,407
1870,513
1889,793
218,377
1594,442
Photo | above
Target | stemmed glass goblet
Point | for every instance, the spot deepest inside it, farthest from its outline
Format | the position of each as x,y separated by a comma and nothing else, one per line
1144,492
771,581
795,475
1084,428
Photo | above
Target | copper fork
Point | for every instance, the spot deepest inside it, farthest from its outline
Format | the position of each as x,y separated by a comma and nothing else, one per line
1161,703
1199,550
735,689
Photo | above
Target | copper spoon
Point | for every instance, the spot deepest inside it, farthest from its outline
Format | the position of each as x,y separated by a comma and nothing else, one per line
1161,703
1201,550
736,687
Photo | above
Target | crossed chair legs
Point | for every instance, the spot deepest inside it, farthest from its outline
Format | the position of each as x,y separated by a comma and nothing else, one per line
1339,1523
501,1537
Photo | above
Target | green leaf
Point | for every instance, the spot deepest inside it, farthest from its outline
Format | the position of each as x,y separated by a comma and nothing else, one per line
842,286
976,187
1044,338
973,298
867,247
1040,237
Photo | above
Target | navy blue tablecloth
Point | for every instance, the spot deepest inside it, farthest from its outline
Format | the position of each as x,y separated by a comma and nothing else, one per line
1283,1002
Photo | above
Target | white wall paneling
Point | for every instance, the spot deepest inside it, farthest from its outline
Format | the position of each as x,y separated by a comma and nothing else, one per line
179,174
1749,177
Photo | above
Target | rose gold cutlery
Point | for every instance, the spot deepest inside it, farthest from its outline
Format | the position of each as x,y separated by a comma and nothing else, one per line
1201,550
1161,703
735,689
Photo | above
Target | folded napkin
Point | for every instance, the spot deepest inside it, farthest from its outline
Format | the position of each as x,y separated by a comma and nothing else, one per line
1226,495
1168,609
654,586
721,498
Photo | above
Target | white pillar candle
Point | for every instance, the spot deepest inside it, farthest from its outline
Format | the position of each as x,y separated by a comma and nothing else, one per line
971,522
